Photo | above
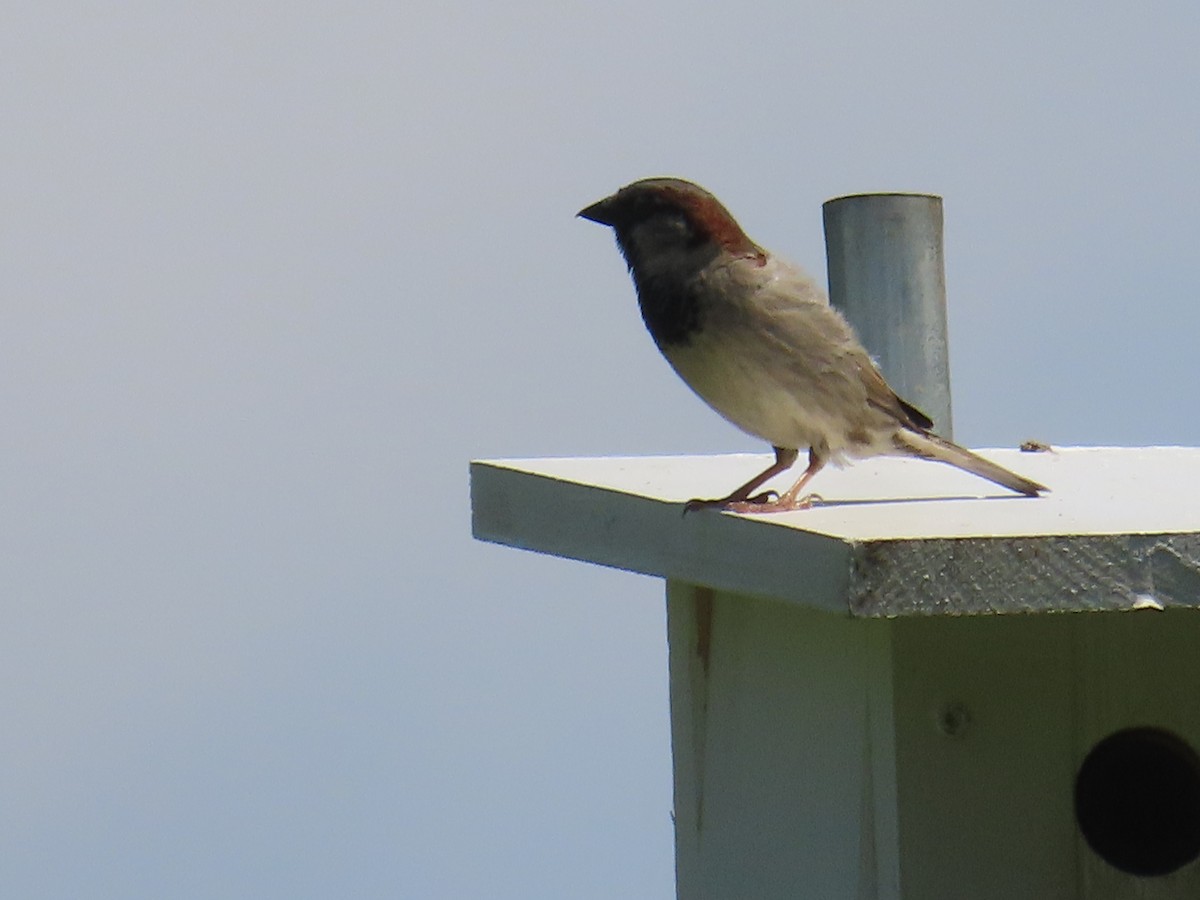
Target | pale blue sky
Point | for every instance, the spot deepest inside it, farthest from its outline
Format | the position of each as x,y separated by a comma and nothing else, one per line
273,273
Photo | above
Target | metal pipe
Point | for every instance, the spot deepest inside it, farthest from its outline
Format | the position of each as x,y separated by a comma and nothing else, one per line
887,276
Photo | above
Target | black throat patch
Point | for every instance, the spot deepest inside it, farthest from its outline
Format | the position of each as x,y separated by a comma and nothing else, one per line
669,308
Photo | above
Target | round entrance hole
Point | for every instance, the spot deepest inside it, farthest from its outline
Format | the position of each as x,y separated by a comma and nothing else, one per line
1137,801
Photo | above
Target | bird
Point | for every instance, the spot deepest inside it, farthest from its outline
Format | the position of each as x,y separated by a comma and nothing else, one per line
756,338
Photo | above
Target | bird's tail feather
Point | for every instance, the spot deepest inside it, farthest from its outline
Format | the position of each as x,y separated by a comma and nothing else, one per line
930,446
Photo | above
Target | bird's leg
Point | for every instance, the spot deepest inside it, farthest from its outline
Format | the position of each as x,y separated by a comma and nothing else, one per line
785,457
762,503
792,499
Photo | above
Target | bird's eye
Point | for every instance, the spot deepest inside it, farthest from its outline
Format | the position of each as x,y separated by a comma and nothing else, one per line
667,229
678,226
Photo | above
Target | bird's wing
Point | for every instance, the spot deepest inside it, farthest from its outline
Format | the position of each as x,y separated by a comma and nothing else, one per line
821,346
881,396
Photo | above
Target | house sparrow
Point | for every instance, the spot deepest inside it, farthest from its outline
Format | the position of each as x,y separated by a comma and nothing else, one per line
756,338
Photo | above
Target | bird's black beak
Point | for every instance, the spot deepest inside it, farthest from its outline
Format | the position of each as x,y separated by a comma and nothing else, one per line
600,211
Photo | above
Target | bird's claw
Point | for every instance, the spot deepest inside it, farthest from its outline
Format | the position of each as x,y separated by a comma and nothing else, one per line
767,501
734,504
695,504
764,497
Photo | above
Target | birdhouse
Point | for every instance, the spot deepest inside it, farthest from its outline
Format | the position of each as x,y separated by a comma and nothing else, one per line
921,687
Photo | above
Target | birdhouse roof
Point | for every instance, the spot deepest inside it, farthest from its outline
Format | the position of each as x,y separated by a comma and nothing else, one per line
1119,530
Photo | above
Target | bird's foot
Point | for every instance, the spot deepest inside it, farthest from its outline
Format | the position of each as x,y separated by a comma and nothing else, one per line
806,502
735,503
779,504
766,502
